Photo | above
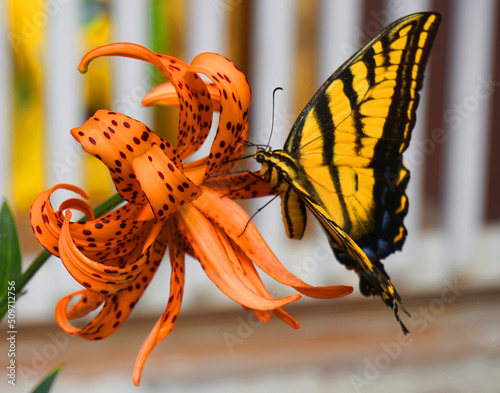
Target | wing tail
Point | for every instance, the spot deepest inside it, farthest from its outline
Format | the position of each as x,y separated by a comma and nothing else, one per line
373,278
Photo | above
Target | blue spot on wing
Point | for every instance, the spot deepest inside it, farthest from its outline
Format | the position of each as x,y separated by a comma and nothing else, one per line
391,207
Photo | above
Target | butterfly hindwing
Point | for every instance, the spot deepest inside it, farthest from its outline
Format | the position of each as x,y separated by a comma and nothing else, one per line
372,273
293,212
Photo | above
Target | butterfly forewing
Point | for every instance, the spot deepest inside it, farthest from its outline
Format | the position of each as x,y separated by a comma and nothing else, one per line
351,136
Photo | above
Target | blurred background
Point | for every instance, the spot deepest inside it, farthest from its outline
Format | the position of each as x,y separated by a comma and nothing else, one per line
448,273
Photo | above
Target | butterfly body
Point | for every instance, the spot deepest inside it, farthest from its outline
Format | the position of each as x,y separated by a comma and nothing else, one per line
343,157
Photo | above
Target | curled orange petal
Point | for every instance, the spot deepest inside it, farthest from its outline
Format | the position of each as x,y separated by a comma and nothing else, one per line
234,100
117,307
196,113
165,186
115,236
46,222
106,239
165,63
96,276
195,121
88,302
61,312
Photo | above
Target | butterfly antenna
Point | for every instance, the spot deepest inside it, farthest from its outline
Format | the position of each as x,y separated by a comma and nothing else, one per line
250,144
239,159
272,119
267,146
244,143
258,210
247,143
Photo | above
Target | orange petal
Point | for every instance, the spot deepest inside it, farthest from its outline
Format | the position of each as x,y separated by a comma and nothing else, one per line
108,239
166,322
165,94
77,204
114,236
93,275
195,115
251,274
62,314
117,307
116,140
263,316
46,222
88,302
246,273
206,243
233,220
165,186
285,317
195,170
168,65
195,106
235,101
238,185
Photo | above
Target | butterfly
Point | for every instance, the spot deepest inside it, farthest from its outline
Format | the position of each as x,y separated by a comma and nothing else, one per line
343,157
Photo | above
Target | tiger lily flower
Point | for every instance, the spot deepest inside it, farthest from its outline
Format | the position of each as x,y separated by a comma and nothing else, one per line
186,207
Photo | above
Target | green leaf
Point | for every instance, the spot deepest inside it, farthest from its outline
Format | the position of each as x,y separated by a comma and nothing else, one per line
10,252
46,384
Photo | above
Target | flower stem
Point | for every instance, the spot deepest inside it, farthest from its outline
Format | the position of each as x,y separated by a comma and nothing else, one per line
38,262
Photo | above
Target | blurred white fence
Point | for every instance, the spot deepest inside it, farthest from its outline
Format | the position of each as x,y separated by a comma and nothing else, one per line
461,246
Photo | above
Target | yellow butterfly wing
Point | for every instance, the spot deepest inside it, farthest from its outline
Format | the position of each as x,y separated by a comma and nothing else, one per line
350,138
343,157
